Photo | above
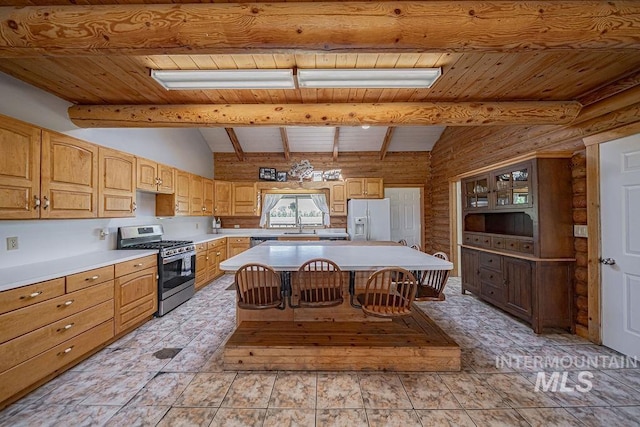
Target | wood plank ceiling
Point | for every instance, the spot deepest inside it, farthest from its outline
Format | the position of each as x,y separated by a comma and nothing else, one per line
503,62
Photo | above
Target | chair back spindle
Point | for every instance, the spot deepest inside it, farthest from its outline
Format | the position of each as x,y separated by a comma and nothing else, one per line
258,287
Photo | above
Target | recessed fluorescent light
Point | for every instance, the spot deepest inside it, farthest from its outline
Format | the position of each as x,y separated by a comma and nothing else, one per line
224,79
368,78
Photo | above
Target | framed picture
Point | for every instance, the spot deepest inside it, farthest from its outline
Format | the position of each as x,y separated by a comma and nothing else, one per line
281,176
267,174
316,176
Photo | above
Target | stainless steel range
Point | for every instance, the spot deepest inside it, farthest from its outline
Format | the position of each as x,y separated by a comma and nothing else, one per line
176,263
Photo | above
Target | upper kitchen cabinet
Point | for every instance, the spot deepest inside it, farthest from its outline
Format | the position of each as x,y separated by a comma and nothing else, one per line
69,177
19,170
155,177
176,204
512,188
338,199
207,196
196,205
245,199
222,190
476,192
365,188
117,183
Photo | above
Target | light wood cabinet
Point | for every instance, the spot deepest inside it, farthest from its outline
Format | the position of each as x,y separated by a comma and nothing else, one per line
136,293
196,205
216,253
117,184
222,190
338,199
19,170
236,245
178,203
245,199
202,273
154,177
364,188
207,196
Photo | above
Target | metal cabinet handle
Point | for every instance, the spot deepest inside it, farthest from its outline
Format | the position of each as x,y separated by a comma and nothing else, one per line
138,265
134,207
32,295
607,261
66,327
46,202
36,202
93,277
65,351
66,303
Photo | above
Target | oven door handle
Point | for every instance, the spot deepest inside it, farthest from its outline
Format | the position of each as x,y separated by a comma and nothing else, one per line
179,256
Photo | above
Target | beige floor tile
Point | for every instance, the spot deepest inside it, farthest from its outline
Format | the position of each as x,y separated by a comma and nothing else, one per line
237,417
545,417
472,392
188,417
445,418
163,389
603,416
138,416
497,418
206,389
338,390
428,391
294,390
341,418
383,392
392,418
250,390
277,417
518,392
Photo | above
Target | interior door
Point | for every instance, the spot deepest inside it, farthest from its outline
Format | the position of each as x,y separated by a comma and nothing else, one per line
620,222
405,214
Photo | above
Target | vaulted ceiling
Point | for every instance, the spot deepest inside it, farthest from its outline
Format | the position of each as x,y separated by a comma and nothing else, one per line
503,63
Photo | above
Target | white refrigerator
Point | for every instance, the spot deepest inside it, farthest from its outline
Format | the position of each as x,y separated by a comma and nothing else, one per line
369,219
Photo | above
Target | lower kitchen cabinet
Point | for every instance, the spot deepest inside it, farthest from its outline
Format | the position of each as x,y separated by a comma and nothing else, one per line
217,252
236,245
538,291
202,272
136,292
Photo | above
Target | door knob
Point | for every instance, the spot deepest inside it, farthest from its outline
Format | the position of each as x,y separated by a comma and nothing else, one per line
607,261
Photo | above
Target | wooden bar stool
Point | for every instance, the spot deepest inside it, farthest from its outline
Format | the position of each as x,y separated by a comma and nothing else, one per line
389,293
259,287
317,283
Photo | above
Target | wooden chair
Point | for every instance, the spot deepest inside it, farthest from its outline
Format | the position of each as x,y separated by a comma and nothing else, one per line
416,247
317,283
389,293
259,287
431,283
402,242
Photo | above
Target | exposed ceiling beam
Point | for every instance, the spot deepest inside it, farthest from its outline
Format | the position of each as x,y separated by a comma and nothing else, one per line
336,138
236,144
382,26
379,114
386,142
285,142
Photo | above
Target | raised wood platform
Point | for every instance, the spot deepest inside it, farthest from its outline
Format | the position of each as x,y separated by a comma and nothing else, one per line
414,343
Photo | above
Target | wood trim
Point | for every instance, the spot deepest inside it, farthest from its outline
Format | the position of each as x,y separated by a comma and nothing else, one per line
445,26
514,160
610,135
518,255
285,143
593,243
386,141
336,139
236,144
453,228
336,114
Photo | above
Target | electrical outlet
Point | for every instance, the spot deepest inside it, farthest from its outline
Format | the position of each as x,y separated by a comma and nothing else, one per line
580,230
12,243
236,226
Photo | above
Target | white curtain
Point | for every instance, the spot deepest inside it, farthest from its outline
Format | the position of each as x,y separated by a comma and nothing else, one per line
321,202
270,201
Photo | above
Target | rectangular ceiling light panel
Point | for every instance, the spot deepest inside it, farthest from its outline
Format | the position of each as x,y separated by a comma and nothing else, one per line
224,79
368,78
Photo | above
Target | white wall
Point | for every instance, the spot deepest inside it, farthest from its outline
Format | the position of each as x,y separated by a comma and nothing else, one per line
41,240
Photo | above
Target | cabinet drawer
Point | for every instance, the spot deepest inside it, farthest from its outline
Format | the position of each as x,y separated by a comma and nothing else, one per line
89,278
29,345
498,242
526,246
135,313
201,246
27,319
134,265
511,244
217,244
23,375
491,261
491,276
492,293
30,294
242,240
484,241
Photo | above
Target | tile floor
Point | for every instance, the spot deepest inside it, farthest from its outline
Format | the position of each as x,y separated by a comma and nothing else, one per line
169,373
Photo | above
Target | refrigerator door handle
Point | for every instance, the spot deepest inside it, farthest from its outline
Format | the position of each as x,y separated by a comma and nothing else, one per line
368,225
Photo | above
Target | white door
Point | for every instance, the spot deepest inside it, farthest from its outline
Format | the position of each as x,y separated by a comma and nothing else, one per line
405,214
620,222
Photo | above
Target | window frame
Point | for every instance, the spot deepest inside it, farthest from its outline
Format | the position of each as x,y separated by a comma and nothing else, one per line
296,194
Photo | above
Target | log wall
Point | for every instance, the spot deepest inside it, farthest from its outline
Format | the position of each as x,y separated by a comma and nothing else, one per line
579,185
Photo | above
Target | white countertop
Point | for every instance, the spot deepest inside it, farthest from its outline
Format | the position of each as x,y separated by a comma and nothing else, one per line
200,238
289,256
14,277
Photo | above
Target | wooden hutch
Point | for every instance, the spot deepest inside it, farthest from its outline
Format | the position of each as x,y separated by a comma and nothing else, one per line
517,250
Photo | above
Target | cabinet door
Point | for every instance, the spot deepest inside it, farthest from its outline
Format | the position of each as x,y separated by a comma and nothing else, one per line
117,184
136,298
69,184
147,175
236,245
207,196
19,170
512,187
201,267
470,271
222,198
196,205
355,188
373,188
475,193
244,199
183,198
338,199
518,276
211,263
166,179
221,255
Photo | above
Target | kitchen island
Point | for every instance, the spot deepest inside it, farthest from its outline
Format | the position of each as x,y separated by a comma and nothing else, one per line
342,337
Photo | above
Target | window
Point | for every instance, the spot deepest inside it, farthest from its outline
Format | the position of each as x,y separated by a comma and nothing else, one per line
294,210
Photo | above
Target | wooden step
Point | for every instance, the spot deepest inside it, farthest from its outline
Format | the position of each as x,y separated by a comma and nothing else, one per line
414,343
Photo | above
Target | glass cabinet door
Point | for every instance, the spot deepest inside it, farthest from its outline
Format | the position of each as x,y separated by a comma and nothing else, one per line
476,192
512,187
